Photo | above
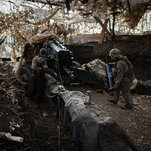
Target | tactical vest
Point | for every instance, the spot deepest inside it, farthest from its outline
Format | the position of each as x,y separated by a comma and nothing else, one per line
130,71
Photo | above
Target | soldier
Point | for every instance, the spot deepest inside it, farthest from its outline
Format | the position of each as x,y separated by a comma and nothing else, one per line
40,68
123,78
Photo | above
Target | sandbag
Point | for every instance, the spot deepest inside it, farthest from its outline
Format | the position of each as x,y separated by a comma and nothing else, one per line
92,127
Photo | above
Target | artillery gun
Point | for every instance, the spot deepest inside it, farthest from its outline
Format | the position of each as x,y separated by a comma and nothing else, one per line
59,58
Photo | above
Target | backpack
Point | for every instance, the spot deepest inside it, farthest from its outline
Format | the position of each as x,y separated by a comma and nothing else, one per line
130,71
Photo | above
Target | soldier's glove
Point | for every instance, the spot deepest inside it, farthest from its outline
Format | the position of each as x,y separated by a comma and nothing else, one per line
114,88
112,64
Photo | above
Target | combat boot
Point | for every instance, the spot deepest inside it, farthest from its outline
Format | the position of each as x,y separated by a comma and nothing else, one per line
112,101
129,107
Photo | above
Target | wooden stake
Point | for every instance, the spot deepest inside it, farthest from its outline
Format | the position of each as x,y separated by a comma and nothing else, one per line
103,26
103,32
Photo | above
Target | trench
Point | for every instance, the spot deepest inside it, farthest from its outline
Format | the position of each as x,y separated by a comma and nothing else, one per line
42,130
136,48
141,63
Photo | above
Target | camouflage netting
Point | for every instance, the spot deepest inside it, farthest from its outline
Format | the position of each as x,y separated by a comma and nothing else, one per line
32,19
13,107
34,128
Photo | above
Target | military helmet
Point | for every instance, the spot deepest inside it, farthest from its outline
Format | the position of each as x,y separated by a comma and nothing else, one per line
114,52
43,52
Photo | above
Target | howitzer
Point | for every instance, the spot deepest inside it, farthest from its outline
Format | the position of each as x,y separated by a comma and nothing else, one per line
59,53
109,75
60,60
69,71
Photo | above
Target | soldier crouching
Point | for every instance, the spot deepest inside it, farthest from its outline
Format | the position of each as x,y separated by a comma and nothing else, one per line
40,68
124,76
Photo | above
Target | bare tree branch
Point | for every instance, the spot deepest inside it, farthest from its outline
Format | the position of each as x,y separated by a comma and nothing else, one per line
103,26
48,17
129,6
13,3
52,3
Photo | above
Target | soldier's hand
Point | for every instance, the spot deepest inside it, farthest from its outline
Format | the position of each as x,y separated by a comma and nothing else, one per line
112,64
114,88
55,75
39,69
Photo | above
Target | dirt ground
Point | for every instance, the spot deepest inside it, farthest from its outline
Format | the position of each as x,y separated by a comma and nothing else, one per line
136,123
50,133
40,127
22,116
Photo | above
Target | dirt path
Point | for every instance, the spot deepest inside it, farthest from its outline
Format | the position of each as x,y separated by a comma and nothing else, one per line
47,126
44,126
136,123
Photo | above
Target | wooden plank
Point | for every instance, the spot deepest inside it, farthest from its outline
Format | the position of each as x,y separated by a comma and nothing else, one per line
103,26
103,32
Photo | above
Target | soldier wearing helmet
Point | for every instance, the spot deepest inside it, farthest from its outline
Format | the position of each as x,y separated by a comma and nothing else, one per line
40,68
39,63
123,78
114,53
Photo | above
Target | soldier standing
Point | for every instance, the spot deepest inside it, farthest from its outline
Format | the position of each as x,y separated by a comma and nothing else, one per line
123,78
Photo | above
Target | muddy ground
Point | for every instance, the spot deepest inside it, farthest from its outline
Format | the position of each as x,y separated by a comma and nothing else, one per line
136,123
39,125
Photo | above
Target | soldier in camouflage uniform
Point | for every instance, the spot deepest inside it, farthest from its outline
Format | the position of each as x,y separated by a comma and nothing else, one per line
39,70
39,65
123,78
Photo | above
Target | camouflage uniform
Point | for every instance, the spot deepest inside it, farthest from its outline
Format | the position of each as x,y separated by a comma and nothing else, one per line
123,80
40,68
39,64
124,76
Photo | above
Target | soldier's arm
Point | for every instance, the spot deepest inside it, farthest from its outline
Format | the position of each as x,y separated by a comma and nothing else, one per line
120,70
34,63
47,69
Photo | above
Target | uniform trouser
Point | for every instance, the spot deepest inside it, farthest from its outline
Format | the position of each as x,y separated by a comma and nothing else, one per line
35,78
124,88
